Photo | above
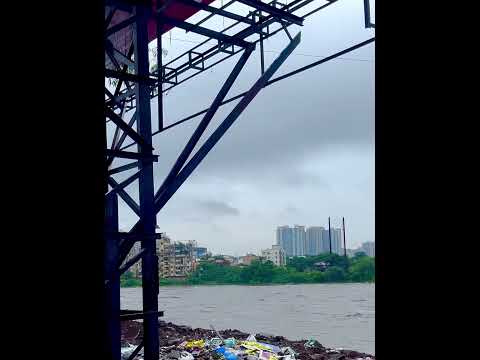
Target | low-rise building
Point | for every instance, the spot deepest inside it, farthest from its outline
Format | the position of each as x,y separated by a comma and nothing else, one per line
276,255
247,259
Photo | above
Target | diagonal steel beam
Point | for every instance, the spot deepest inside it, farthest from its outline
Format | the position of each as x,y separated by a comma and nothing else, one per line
125,197
125,183
130,262
113,29
123,168
131,155
122,139
203,31
109,17
202,126
225,125
126,129
257,4
118,55
217,11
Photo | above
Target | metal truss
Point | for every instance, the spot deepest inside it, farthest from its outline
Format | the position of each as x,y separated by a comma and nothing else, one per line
128,115
133,90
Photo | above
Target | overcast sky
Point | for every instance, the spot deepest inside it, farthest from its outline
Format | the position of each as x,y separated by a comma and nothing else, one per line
302,151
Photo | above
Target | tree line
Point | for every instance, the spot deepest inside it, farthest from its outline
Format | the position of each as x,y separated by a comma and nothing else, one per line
298,270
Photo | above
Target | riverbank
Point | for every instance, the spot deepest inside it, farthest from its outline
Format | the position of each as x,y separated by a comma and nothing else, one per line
172,336
298,270
183,283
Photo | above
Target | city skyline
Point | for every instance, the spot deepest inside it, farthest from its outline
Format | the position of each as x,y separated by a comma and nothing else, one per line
301,240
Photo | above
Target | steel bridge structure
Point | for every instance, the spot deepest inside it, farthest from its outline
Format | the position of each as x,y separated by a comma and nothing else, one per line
129,28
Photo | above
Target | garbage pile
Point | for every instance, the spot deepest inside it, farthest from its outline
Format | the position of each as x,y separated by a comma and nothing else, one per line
184,343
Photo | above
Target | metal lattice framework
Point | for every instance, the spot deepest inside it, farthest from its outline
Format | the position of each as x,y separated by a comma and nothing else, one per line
129,27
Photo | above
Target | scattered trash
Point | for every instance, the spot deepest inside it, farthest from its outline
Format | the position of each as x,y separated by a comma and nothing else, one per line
289,351
216,332
273,348
127,351
230,342
253,345
214,342
185,355
184,343
332,351
312,343
194,344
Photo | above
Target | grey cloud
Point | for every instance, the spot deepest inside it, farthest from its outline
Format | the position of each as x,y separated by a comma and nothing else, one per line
218,208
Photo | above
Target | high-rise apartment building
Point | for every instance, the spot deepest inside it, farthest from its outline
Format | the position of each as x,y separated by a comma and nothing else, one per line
337,247
298,233
285,239
314,240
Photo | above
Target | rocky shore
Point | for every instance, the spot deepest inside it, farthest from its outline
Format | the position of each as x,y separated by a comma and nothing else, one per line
176,343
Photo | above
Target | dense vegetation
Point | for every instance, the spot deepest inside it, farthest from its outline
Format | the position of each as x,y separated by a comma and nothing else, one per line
360,268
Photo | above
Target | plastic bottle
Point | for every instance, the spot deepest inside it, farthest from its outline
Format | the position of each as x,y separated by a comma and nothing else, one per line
226,354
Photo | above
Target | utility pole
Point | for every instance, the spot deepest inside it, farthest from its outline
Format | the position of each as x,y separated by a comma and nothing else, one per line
344,242
329,235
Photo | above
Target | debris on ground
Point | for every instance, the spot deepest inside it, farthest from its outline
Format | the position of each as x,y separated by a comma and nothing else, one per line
179,342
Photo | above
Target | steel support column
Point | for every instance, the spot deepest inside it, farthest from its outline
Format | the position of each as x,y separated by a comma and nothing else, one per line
148,220
112,288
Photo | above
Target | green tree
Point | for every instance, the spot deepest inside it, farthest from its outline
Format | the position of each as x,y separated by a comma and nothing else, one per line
334,274
362,269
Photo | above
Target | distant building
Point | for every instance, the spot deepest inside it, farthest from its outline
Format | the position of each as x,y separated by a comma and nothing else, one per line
368,248
177,259
200,252
298,240
276,255
314,240
284,236
135,269
247,259
337,247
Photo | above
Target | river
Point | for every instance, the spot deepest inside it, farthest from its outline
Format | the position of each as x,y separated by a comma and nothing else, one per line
337,315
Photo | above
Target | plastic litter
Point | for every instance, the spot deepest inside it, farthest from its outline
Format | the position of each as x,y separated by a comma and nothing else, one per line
216,332
266,355
127,351
289,351
185,355
194,344
254,345
214,342
229,355
312,343
273,348
230,342
251,337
